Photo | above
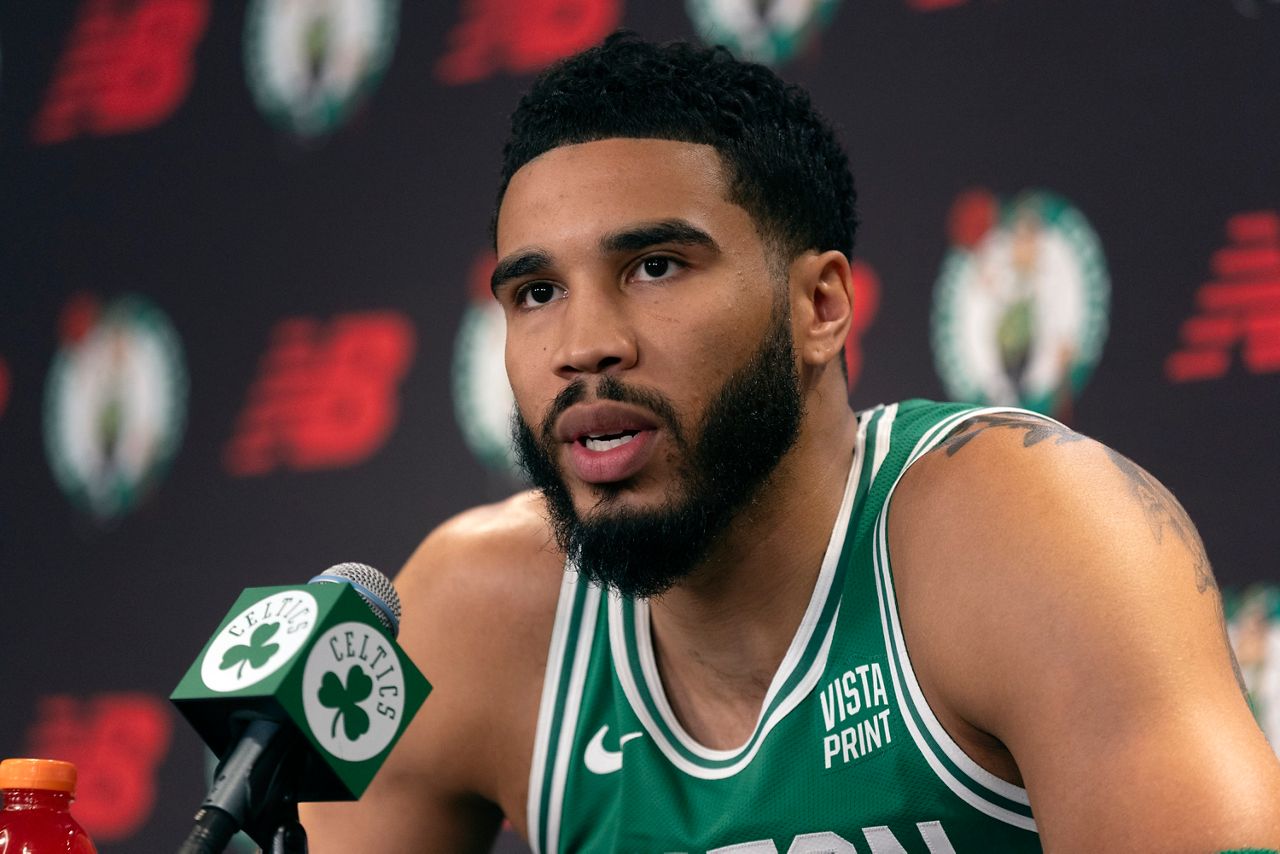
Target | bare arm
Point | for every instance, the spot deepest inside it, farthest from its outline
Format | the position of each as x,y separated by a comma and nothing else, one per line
474,614
1062,606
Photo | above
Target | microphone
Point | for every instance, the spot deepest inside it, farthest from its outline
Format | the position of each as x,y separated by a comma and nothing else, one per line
301,693
375,588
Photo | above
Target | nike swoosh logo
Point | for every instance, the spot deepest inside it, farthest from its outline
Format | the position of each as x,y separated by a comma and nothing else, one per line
601,761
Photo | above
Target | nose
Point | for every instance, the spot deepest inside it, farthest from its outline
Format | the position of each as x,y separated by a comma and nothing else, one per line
596,335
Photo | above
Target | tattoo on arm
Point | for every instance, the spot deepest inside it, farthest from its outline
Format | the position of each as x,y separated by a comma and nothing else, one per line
1161,510
1159,506
1036,430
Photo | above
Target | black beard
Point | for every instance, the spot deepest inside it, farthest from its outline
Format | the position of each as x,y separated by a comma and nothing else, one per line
748,427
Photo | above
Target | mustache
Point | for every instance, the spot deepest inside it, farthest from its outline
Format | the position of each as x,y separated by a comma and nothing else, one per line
610,388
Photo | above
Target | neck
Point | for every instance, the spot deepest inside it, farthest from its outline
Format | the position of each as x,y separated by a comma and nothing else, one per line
720,635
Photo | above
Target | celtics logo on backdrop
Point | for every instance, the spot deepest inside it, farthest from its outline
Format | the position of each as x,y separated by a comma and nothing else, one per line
115,403
768,31
482,398
1020,307
1253,623
312,62
353,691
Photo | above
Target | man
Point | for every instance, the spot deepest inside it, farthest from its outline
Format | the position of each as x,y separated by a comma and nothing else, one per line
730,660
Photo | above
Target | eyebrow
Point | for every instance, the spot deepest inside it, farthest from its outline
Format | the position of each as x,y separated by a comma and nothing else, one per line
632,239
652,233
522,264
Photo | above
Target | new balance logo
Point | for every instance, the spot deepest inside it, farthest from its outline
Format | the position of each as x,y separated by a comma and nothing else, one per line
326,394
1238,309
117,741
522,36
599,759
127,67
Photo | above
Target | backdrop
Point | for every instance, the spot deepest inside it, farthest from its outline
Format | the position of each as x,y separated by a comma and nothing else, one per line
241,335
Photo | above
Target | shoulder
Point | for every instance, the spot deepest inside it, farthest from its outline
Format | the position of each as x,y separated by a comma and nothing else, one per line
479,595
495,560
1054,593
1014,484
479,598
1036,527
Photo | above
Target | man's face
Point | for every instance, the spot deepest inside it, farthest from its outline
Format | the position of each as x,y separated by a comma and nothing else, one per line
649,350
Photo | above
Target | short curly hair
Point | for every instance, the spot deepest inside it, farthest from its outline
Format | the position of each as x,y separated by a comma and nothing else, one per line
783,163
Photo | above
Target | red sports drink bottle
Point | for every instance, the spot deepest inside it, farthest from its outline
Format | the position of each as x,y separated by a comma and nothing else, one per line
35,820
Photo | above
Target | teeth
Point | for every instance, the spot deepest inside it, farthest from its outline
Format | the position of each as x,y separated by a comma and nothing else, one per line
607,444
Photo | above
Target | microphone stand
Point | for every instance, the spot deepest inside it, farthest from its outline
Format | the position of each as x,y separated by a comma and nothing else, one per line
280,818
290,837
255,790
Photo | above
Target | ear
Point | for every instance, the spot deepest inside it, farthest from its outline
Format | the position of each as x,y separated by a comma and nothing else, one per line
822,305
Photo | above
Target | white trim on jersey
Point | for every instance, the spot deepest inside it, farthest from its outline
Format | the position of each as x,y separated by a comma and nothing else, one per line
884,436
649,669
546,708
569,718
895,641
795,652
784,708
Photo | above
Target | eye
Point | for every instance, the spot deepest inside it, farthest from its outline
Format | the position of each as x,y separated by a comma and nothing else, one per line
537,294
656,267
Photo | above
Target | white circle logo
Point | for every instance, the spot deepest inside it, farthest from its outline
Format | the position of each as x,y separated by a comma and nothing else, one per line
312,63
353,691
259,641
115,406
768,31
482,398
1253,625
1020,309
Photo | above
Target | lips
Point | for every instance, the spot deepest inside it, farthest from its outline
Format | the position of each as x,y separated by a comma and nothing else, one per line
608,442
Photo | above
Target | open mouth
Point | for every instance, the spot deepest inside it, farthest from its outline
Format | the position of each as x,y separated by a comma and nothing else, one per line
607,441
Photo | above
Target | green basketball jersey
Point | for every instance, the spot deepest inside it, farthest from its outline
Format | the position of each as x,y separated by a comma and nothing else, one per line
846,755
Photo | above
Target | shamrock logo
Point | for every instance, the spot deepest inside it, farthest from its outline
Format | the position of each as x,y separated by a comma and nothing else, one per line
334,695
256,652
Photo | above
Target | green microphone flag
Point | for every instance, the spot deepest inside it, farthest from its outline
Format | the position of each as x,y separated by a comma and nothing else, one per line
315,656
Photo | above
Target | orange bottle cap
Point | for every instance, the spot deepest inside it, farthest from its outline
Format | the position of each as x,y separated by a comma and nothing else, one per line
52,774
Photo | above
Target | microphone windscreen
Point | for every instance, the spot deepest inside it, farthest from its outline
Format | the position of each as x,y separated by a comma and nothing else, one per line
374,587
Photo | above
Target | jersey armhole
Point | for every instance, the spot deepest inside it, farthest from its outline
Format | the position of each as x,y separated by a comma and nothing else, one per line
568,655
972,783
